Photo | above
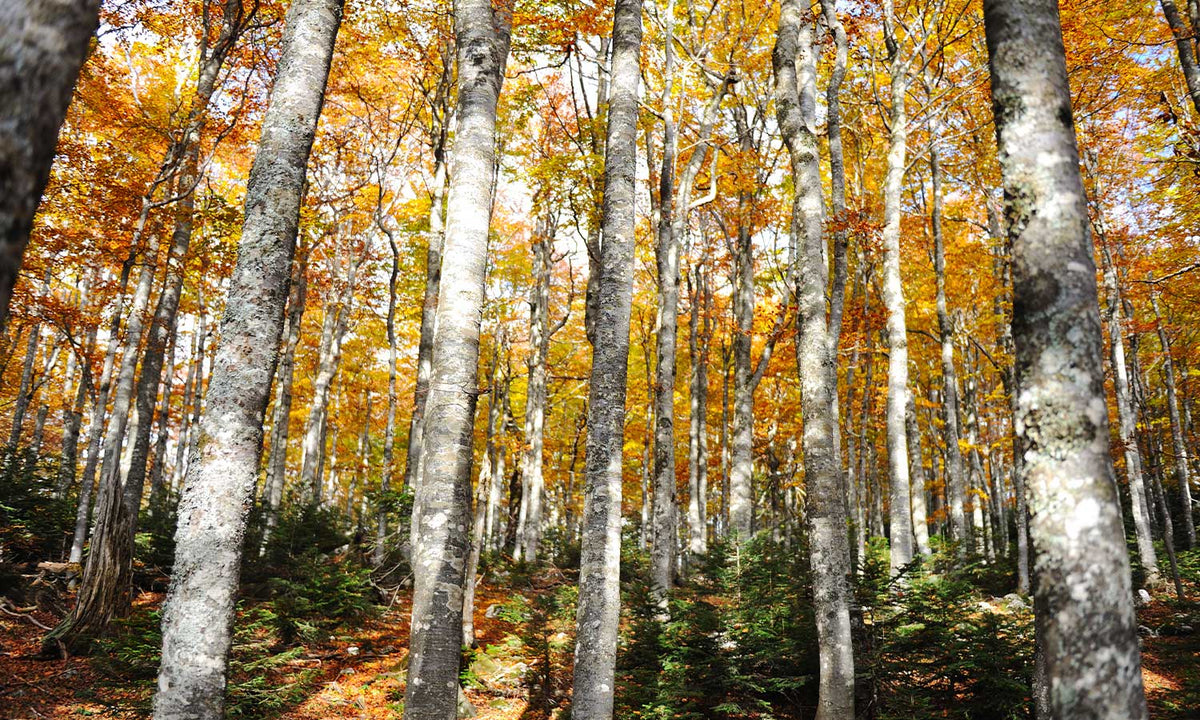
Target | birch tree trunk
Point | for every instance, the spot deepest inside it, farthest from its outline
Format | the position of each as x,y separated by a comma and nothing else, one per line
795,101
25,389
893,298
44,44
600,560
1083,599
198,612
442,511
1182,474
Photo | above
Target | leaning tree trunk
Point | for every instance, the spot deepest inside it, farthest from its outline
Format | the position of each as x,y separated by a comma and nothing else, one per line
1083,599
795,100
442,511
198,612
1186,43
893,299
600,560
44,44
162,327
1182,474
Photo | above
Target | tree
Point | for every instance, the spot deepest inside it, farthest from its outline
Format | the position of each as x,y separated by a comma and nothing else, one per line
198,612
794,62
442,511
600,560
43,44
1083,598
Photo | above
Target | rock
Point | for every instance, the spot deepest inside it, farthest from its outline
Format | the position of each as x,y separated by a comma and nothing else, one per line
1014,602
1143,597
1146,632
465,708
352,650
492,610
347,671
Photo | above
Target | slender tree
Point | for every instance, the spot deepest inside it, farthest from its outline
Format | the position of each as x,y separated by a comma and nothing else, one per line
198,612
600,560
1083,599
794,62
442,511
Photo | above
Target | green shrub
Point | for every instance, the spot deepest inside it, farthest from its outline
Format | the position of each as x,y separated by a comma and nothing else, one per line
34,524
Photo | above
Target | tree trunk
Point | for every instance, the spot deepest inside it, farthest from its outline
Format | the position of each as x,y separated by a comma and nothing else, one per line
442,511
1083,599
535,396
1140,499
198,612
893,298
795,97
73,418
699,334
162,327
600,560
333,331
1177,440
917,475
955,480
379,554
284,377
45,43
1009,378
25,390
1186,43
433,270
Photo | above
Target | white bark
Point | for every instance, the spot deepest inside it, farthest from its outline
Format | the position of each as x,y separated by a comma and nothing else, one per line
600,562
198,612
893,300
442,511
795,101
1083,599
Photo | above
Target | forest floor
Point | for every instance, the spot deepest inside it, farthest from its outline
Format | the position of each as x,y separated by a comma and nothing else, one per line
521,670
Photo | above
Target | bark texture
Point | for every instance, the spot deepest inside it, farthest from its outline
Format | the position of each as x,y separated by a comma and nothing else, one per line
893,300
43,43
1178,444
442,511
217,494
1083,599
795,100
600,561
